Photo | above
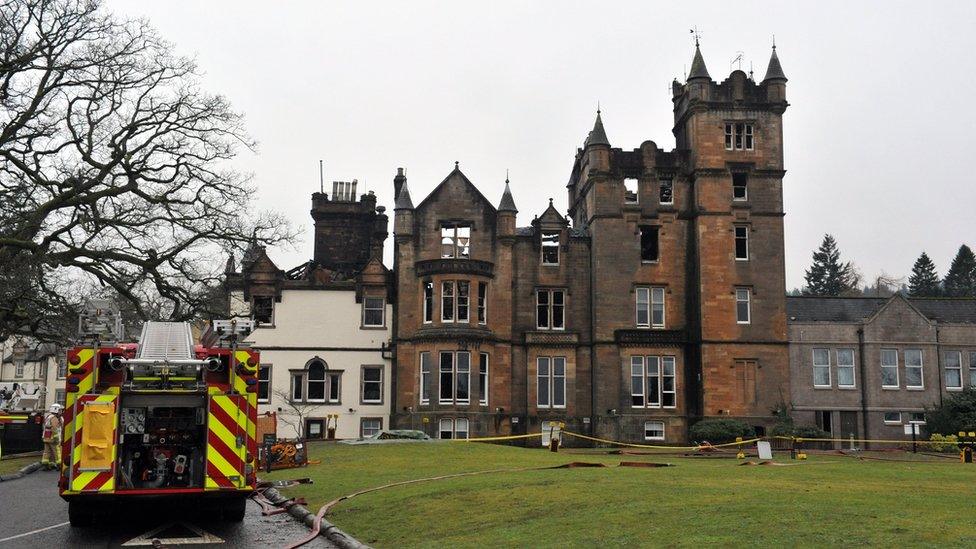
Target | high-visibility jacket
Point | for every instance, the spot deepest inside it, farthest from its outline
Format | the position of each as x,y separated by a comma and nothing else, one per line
52,428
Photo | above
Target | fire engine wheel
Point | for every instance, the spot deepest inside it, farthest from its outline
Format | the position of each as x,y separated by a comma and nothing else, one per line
233,510
80,515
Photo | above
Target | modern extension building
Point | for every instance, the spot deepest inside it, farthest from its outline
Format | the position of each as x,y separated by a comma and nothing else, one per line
658,299
869,366
324,326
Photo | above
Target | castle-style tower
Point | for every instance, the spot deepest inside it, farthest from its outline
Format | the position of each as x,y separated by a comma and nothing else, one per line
348,232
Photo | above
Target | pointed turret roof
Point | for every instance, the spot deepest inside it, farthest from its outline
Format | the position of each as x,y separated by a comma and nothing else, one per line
403,201
508,203
774,70
598,136
698,69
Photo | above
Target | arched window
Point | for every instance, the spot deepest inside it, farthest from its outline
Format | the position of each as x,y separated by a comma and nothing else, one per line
316,381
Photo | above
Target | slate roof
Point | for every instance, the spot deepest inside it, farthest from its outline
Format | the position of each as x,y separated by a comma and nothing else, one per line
698,69
598,136
774,70
403,201
856,309
35,354
508,203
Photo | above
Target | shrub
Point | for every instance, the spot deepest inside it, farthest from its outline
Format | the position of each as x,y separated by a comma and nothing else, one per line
799,431
949,443
957,413
720,430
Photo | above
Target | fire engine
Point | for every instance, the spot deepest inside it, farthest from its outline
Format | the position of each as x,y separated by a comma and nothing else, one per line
163,418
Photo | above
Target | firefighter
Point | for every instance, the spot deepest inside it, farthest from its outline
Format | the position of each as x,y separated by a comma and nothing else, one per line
52,438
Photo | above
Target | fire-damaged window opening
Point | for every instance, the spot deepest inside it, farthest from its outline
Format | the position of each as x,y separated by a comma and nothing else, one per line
550,248
630,191
649,243
739,136
550,309
739,190
666,192
428,301
455,241
482,303
262,308
425,378
741,243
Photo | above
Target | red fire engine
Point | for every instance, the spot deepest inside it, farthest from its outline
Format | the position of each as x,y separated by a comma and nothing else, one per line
163,418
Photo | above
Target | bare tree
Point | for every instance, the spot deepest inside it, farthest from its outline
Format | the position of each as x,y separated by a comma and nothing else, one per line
114,169
294,413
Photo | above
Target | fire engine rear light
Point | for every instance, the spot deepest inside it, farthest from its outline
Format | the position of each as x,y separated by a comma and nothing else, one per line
251,381
74,359
251,361
72,388
80,370
252,388
74,380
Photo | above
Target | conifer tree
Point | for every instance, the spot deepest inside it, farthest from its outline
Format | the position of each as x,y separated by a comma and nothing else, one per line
960,281
924,281
828,275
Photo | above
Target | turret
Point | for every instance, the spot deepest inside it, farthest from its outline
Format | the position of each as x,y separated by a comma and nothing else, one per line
506,212
698,78
597,146
775,80
403,207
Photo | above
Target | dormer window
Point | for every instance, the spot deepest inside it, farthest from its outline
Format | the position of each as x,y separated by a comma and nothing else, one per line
738,136
550,248
455,241
630,191
262,309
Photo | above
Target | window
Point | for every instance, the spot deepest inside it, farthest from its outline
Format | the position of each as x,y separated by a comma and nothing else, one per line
316,382
739,136
482,303
550,248
892,418
649,243
424,378
263,309
551,377
455,378
653,430
372,384
745,379
953,369
264,384
845,368
889,368
972,368
483,378
821,368
335,387
456,241
743,312
19,368
297,387
59,396
652,382
550,309
650,307
463,300
666,192
739,192
370,426
373,311
916,417
741,243
825,420
314,428
453,428
428,301
913,369
630,191
447,302
62,367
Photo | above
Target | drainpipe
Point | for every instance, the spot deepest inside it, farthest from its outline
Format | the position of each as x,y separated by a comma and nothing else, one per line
938,361
864,388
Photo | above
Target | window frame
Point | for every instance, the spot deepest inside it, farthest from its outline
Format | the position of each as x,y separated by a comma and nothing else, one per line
740,136
483,378
454,236
363,382
852,366
636,193
654,381
744,186
669,183
445,284
920,367
455,375
330,376
308,381
381,309
957,368
453,428
362,425
428,301
972,368
548,244
654,230
551,380
662,430
61,371
482,303
267,383
821,367
551,308
744,238
425,377
748,301
887,421
297,382
466,306
881,359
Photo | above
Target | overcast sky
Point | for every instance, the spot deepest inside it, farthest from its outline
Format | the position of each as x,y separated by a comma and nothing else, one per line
878,137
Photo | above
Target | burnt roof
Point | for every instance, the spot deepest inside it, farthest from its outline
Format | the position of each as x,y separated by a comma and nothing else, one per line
857,309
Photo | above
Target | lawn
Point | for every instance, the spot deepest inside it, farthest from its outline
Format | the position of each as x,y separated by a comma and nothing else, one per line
14,464
827,500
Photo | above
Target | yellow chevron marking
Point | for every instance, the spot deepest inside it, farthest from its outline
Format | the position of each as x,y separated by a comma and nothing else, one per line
230,408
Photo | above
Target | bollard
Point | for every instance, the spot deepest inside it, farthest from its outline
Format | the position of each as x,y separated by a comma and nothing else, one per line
740,454
800,454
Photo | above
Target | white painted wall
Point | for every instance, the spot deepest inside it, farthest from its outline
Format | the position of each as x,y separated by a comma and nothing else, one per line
324,324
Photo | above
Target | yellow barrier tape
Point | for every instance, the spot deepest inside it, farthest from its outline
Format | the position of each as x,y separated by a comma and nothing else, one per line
489,439
633,445
802,439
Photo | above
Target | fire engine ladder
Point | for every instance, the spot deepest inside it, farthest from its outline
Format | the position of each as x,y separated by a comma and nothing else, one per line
166,341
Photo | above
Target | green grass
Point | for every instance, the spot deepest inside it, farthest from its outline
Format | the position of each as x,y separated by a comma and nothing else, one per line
14,464
827,500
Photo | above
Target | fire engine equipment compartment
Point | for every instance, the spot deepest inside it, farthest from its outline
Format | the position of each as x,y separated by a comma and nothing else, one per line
163,441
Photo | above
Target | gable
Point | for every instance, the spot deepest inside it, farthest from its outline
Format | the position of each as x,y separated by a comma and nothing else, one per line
456,187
